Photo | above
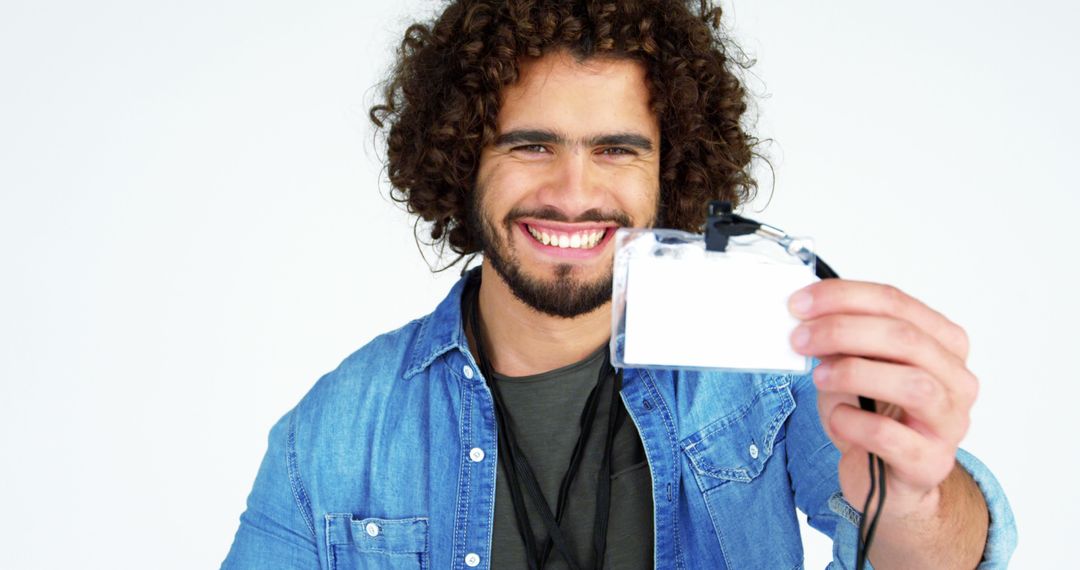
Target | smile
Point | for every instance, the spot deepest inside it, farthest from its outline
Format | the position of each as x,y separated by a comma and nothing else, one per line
568,241
586,239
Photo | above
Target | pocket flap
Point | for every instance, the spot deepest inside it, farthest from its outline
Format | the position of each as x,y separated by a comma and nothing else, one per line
391,536
736,447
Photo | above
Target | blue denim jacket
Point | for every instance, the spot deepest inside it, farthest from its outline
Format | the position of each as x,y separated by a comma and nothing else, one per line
389,462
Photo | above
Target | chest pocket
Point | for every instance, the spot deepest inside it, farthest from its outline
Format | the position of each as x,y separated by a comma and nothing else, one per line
739,463
737,447
372,543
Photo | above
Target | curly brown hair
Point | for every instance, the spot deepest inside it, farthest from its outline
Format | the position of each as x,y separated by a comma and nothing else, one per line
441,101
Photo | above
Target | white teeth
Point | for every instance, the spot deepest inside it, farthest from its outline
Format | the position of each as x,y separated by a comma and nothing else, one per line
580,240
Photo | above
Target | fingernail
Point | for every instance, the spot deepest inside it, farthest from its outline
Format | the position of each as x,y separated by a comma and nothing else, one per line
801,337
800,302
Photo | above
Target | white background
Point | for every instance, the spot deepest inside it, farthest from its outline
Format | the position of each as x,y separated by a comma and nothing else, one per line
193,228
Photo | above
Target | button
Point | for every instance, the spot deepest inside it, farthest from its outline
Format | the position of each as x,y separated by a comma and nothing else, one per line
372,529
472,560
467,371
476,454
753,451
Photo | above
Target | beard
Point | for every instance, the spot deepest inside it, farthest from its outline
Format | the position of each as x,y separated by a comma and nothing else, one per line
567,295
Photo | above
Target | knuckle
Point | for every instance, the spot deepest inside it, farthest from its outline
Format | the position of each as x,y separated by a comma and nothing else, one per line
962,340
876,432
922,389
905,334
894,299
968,388
908,455
913,455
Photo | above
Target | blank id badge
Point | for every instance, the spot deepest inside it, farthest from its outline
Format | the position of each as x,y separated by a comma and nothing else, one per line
676,304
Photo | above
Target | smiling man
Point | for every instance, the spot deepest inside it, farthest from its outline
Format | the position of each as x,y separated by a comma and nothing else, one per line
494,432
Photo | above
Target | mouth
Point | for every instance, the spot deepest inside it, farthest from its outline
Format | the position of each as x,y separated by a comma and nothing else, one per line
564,240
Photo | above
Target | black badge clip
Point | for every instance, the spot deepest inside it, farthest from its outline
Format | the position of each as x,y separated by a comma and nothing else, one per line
721,224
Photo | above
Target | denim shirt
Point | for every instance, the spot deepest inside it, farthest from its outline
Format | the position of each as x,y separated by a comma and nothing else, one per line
390,461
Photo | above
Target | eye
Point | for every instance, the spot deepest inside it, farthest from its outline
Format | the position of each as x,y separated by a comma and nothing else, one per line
617,151
531,149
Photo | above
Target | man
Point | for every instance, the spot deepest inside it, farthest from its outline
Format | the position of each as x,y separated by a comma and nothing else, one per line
494,432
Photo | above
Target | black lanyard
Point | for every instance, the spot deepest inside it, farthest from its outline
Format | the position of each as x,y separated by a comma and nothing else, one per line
516,466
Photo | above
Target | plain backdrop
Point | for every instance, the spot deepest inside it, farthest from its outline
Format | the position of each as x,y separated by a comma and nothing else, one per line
194,227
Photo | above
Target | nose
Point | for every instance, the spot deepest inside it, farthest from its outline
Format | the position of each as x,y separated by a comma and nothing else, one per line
573,185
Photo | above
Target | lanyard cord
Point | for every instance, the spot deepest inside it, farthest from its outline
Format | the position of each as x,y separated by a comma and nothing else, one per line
517,468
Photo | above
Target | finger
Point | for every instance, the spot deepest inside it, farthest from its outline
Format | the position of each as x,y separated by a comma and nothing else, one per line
928,407
916,460
885,338
861,297
828,401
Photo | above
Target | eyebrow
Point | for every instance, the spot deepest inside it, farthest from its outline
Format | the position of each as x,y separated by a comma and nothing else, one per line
541,136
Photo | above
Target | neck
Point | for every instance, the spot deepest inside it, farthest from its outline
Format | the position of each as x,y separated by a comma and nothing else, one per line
521,341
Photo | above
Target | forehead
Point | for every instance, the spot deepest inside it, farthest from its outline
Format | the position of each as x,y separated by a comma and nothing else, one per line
592,95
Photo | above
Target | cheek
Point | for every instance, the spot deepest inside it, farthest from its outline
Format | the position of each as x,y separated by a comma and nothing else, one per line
502,187
639,193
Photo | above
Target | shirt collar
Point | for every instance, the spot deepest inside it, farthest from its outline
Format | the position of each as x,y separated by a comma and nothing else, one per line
440,331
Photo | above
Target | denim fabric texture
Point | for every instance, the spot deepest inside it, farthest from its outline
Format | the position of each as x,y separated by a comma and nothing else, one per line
377,466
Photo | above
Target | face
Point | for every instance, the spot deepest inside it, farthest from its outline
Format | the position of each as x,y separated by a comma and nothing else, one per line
577,155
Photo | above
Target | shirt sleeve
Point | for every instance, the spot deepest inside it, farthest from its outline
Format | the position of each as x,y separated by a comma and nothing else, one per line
276,529
1001,538
812,465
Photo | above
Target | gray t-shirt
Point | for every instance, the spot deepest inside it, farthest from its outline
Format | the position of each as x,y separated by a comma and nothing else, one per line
546,411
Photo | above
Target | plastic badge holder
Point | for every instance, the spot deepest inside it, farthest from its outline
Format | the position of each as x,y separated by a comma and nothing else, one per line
675,304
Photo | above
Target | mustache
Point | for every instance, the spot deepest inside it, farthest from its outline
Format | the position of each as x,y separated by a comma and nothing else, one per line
553,214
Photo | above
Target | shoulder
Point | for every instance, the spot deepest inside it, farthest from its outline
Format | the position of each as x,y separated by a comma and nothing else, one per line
366,379
384,357
385,375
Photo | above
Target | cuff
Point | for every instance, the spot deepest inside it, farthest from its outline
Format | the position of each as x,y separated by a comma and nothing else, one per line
1001,538
846,538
